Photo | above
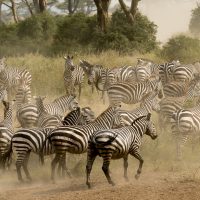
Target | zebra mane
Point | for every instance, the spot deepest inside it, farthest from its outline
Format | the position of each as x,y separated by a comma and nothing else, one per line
148,116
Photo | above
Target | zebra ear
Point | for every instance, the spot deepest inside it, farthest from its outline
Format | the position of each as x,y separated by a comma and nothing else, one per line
72,57
148,116
65,57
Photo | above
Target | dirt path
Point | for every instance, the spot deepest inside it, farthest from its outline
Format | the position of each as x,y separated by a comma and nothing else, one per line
155,186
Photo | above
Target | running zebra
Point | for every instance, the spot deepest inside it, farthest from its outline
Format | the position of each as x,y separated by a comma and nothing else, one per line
169,105
185,122
151,102
132,93
6,132
119,143
178,89
75,139
82,116
73,76
166,71
45,120
60,105
25,141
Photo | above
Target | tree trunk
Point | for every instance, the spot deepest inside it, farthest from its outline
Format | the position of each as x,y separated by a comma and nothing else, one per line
130,13
42,5
72,6
14,11
102,14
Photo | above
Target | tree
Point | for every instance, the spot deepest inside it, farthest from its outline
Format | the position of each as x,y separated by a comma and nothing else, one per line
102,14
182,47
71,7
194,25
130,13
12,6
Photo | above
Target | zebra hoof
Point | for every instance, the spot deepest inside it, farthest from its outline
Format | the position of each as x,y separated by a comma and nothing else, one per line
112,183
137,176
126,179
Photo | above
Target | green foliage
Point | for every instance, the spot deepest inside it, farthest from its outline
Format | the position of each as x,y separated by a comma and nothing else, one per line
194,25
181,47
141,35
38,27
49,35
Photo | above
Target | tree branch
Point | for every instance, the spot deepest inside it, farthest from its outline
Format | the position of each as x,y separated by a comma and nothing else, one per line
7,5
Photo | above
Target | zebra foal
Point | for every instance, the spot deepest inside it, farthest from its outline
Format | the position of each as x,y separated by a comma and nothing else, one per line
118,143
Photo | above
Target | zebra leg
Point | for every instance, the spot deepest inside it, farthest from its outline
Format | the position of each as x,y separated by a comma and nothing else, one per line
180,143
125,167
137,156
91,155
53,166
79,95
105,168
25,164
18,167
64,166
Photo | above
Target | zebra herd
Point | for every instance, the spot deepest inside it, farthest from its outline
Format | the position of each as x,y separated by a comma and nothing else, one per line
45,129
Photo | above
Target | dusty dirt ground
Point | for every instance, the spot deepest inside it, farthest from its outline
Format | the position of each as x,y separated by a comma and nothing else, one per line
152,185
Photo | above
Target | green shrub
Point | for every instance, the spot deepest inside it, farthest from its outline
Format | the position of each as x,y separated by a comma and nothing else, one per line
181,47
38,27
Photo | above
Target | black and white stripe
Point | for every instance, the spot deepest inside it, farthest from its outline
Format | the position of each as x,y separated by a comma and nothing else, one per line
62,104
119,143
131,93
75,139
73,76
45,120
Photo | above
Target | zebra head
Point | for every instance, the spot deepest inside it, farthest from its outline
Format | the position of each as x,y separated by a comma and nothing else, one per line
88,114
146,126
73,103
69,64
86,66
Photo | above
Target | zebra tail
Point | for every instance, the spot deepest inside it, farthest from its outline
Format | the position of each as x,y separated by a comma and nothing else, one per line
109,142
41,154
6,159
41,158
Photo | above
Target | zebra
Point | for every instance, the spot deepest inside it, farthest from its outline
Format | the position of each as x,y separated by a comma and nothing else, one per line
183,73
27,113
178,89
75,139
169,105
151,102
6,132
10,78
166,71
35,140
60,105
82,116
73,75
118,143
184,123
45,120
97,74
132,93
